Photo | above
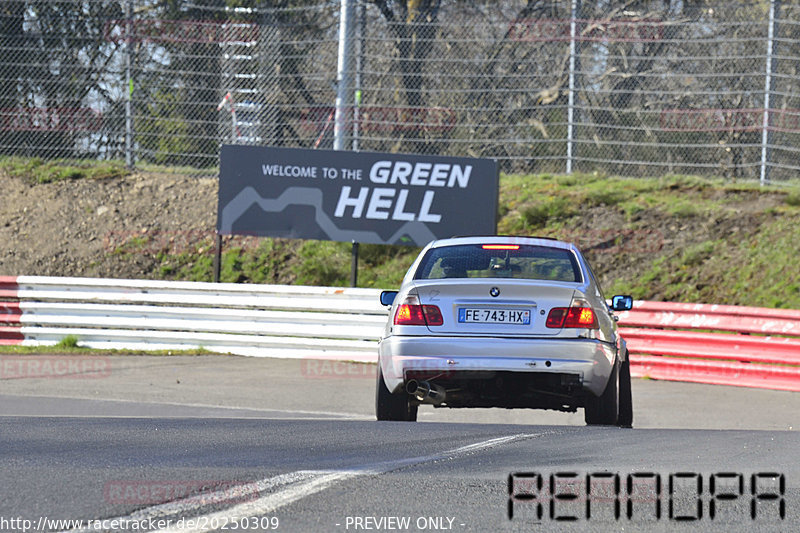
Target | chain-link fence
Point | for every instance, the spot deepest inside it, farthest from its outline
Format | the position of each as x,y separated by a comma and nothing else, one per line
628,87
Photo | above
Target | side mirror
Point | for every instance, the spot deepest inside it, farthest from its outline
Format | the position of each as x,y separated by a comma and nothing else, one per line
621,302
387,297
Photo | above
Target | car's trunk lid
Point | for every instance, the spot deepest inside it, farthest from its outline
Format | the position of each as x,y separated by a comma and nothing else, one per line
505,307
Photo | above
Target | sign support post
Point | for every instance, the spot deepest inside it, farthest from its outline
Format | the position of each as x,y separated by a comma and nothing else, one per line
354,266
217,257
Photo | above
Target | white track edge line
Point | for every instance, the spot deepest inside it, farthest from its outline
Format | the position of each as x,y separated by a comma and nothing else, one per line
300,484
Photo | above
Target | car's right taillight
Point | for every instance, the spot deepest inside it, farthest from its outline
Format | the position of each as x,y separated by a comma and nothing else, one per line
411,313
578,315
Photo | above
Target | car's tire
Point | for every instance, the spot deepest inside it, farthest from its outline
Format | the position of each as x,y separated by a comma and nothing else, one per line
390,406
605,409
625,419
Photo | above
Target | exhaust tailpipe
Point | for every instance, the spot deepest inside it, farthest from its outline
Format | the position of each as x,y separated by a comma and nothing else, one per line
426,392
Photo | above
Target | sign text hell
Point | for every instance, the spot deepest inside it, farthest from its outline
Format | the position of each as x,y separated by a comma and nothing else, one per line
383,203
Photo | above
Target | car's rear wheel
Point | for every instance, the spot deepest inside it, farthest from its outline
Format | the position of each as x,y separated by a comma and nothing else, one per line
605,409
390,406
625,396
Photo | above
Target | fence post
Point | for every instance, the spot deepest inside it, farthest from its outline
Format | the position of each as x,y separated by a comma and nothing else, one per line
343,92
128,85
765,133
343,82
573,26
361,29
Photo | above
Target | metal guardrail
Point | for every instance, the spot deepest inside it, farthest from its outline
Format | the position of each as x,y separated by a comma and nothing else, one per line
260,320
720,344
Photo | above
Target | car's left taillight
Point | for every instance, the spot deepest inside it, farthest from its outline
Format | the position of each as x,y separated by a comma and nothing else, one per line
412,313
578,315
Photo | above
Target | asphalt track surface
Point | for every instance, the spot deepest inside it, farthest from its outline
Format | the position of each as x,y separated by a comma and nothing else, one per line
165,443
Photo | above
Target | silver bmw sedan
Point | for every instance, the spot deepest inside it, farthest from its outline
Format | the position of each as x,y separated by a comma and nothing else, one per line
513,322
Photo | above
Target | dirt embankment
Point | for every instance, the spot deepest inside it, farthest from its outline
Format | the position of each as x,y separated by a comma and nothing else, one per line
72,228
687,244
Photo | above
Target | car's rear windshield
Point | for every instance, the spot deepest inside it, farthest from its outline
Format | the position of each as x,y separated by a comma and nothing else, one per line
479,261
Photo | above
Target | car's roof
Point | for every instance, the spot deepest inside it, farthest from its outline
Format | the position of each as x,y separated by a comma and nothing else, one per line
503,239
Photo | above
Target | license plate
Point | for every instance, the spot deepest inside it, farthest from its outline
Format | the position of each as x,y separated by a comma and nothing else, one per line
470,315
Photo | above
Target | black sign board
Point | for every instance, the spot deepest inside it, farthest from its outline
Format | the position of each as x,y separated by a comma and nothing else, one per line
354,196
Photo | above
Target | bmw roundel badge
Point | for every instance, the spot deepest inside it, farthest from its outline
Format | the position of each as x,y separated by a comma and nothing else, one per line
494,291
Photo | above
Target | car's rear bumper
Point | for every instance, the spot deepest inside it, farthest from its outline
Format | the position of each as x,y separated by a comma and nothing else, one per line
591,360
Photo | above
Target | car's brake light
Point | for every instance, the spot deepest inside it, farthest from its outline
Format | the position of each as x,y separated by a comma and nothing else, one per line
580,317
500,246
555,318
432,315
571,317
411,313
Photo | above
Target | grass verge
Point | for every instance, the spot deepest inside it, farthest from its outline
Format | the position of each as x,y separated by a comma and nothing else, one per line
82,350
37,170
